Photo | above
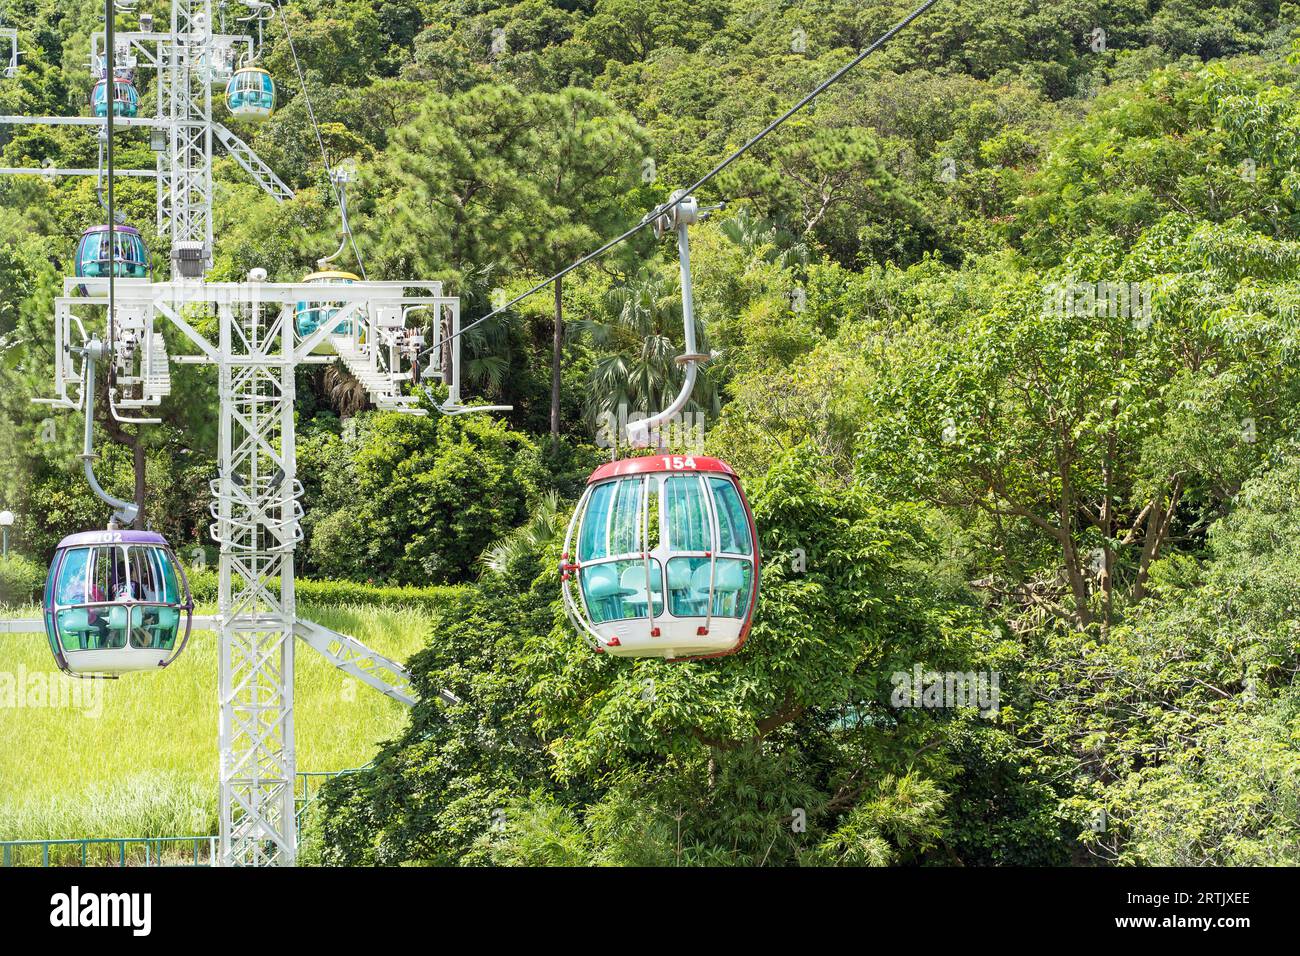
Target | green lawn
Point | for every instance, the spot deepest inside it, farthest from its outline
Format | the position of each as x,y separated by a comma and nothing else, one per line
138,756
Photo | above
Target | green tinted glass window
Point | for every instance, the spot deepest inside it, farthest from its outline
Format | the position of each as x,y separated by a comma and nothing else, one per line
93,629
691,579
617,590
154,627
625,529
594,537
143,584
167,577
71,587
733,524
686,514
613,520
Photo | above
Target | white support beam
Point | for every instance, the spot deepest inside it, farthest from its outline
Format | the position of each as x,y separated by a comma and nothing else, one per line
209,353
342,650
52,171
8,52
257,529
149,50
352,657
22,626
95,121
186,71
253,164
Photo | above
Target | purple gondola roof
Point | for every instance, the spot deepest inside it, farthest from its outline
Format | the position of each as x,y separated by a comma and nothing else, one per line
86,538
130,230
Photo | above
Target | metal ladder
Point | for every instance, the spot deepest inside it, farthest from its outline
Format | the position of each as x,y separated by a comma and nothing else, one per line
253,164
383,386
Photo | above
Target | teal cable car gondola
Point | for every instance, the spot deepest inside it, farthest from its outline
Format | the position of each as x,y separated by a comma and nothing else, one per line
116,602
129,258
310,316
250,93
126,101
664,554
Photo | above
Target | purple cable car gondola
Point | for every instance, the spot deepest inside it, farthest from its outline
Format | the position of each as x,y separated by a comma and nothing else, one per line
116,602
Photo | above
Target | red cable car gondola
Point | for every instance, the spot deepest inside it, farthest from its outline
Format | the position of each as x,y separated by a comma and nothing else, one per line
662,526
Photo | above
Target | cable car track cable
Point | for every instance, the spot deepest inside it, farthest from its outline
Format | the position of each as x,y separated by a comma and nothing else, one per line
686,193
311,115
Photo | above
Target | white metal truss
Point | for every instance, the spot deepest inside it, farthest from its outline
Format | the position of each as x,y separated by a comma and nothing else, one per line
444,364
253,164
257,510
145,49
377,360
81,171
352,657
8,52
185,91
187,60
95,121
256,494
256,506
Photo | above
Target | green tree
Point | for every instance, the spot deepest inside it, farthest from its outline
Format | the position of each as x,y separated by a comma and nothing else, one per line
409,500
657,762
1089,418
637,370
494,176
589,157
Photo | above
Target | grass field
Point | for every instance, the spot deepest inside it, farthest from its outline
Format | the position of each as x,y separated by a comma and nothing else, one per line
138,756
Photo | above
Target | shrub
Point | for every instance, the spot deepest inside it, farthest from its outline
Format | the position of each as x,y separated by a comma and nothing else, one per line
21,580
205,582
350,592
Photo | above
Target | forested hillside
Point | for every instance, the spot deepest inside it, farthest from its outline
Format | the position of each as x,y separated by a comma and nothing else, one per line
1006,357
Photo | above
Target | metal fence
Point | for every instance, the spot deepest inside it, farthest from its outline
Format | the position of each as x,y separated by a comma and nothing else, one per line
151,851
109,851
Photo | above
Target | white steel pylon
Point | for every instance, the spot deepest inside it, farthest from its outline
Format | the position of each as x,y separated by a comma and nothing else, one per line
186,60
185,91
370,326
255,497
257,511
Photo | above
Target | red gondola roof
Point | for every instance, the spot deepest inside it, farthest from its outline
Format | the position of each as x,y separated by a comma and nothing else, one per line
660,463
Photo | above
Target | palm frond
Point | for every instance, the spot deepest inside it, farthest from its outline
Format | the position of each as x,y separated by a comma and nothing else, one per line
539,532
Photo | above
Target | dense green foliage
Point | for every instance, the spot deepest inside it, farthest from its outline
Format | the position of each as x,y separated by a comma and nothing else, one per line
683,764
1006,356
21,580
